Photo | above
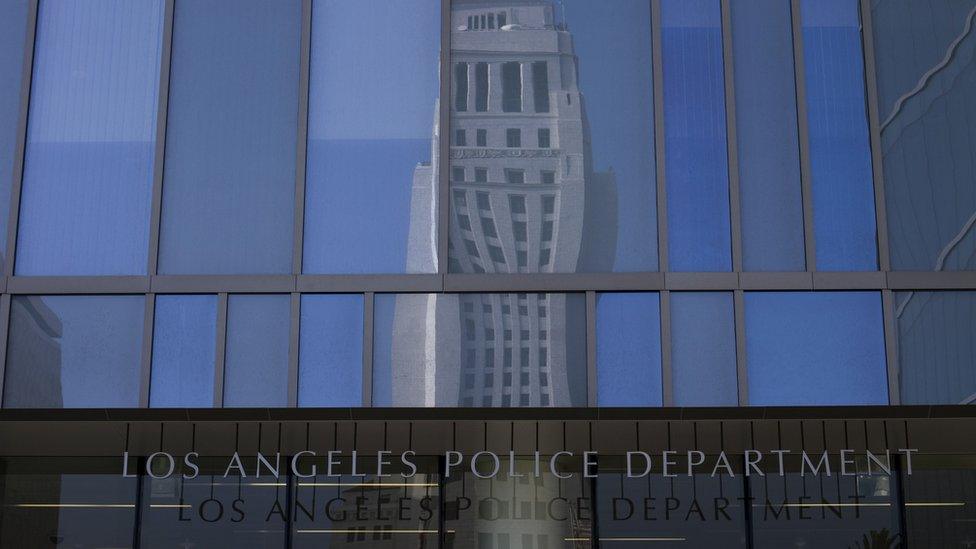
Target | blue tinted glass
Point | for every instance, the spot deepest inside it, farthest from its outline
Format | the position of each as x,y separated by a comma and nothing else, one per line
612,44
703,349
552,163
628,349
937,347
840,153
13,27
91,138
74,352
766,134
256,357
184,344
370,116
925,59
479,350
815,348
330,371
694,136
229,182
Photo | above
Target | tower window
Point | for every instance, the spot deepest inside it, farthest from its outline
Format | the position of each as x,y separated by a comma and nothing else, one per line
515,177
540,86
501,19
457,174
481,137
481,176
548,177
461,87
481,87
511,87
460,138
544,138
513,137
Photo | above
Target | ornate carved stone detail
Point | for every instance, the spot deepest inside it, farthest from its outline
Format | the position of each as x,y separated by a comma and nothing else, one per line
465,152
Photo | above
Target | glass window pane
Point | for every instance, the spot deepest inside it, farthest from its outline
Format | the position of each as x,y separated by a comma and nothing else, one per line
927,139
74,351
815,348
766,134
628,349
937,347
184,346
840,153
471,350
695,137
371,188
703,365
330,371
229,182
91,135
13,28
256,357
593,161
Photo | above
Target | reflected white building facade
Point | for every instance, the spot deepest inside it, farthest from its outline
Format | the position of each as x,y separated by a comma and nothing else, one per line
524,199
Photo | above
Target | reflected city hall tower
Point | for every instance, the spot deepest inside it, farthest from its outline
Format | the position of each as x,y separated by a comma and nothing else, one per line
524,199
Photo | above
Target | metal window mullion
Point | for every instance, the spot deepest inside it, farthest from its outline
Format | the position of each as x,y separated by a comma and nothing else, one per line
591,379
294,348
159,156
659,152
877,163
741,365
298,236
891,347
803,133
4,328
148,328
444,141
220,350
735,210
667,385
368,300
20,148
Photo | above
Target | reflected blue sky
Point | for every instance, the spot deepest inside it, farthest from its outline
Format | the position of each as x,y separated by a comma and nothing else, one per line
232,128
372,92
13,25
815,348
628,349
840,154
89,160
703,349
613,43
699,234
256,357
330,371
184,333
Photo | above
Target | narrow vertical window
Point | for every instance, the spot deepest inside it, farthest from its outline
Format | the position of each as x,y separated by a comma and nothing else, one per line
229,182
481,87
540,86
184,343
501,19
699,231
768,142
512,87
840,153
13,26
491,20
461,87
88,166
482,138
513,137
460,138
544,138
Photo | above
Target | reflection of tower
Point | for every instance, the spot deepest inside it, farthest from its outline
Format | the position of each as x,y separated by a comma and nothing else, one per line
524,199
39,344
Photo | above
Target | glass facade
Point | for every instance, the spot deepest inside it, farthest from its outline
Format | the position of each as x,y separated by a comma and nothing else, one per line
521,227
